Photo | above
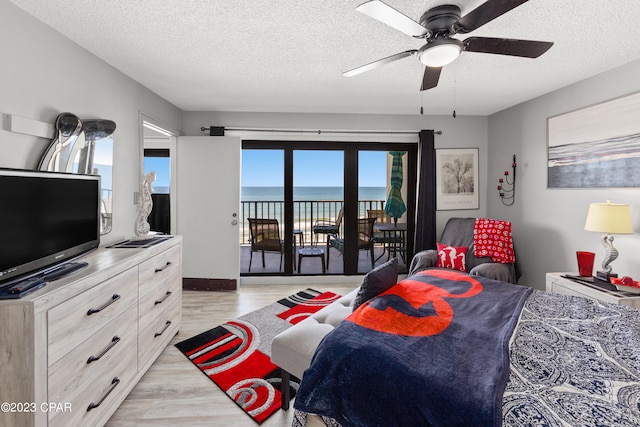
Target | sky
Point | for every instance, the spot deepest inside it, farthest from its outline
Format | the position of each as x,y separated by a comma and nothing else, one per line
161,166
311,168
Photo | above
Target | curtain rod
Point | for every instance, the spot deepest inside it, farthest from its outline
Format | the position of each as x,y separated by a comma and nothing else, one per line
319,132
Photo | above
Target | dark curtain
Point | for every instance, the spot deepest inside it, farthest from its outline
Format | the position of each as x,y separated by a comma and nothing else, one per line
159,218
425,237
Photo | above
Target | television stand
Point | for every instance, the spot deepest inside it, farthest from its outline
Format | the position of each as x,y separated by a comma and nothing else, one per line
83,342
63,270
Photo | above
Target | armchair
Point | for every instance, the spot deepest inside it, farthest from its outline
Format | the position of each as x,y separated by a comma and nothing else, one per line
265,237
325,226
459,232
365,239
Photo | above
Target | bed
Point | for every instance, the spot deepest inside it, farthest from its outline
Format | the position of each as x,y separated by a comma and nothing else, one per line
446,348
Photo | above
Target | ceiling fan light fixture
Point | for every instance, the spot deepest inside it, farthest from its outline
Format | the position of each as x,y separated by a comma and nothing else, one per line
440,52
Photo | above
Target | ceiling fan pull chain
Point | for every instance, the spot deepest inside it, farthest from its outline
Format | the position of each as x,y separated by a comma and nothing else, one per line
454,97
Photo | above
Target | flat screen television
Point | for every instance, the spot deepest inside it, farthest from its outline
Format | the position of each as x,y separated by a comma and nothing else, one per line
47,219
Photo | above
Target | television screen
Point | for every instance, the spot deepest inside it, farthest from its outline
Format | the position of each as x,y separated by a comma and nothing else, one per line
45,219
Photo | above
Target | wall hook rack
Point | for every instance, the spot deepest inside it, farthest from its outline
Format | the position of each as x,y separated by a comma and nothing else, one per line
506,189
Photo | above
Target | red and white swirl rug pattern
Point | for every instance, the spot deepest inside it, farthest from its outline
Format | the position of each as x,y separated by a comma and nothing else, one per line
236,355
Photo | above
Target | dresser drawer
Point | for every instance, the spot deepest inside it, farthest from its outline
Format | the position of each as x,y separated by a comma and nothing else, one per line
563,290
104,394
161,268
158,334
79,318
97,357
155,302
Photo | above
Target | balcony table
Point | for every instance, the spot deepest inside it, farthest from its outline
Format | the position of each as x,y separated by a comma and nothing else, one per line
394,233
311,252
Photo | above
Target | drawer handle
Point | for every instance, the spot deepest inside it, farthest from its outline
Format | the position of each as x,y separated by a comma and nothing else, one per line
114,383
113,342
167,265
166,326
114,298
161,300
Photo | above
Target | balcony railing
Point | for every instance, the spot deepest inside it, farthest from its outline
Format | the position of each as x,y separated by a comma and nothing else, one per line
305,214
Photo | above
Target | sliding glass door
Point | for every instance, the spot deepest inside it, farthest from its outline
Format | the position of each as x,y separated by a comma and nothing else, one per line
372,195
262,212
318,200
330,205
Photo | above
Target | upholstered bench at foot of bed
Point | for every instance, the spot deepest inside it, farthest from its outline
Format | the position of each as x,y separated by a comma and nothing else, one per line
292,349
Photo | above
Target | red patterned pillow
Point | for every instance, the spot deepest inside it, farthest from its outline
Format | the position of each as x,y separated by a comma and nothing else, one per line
452,257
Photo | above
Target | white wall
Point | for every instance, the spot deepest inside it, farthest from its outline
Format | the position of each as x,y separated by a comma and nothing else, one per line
461,132
549,223
44,74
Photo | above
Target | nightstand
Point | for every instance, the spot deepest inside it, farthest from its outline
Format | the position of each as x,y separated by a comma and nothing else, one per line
556,283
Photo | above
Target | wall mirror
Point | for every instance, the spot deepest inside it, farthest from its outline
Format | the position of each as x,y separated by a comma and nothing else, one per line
84,147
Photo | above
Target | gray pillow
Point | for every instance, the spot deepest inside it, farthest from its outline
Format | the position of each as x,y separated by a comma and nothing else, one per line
377,281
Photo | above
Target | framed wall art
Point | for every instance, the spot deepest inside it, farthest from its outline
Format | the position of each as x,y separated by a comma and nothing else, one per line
457,179
596,146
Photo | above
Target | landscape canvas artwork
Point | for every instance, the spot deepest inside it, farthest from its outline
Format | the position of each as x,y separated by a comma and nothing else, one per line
597,146
457,179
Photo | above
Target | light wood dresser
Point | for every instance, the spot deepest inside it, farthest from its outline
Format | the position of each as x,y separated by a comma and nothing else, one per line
72,351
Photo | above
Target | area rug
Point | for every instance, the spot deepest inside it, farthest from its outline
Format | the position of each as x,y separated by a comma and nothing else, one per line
236,355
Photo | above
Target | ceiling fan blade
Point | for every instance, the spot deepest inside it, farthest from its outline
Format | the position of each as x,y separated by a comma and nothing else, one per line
378,63
388,15
513,47
486,12
430,78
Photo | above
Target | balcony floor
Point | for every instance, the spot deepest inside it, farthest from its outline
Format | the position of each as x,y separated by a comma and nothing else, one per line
311,265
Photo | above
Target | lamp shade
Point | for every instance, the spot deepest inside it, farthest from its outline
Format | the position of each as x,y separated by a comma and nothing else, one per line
440,52
610,218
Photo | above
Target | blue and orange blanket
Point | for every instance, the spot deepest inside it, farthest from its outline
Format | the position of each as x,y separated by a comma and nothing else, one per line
432,350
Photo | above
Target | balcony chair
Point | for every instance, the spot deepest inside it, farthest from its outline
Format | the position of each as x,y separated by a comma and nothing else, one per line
327,227
379,237
459,232
265,237
365,239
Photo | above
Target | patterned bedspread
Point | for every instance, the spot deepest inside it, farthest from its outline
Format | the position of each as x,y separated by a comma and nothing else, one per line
573,362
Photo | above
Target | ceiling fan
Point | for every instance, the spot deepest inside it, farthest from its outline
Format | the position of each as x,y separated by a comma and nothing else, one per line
437,27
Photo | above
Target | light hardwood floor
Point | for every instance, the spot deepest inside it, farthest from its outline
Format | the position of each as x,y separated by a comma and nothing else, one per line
175,393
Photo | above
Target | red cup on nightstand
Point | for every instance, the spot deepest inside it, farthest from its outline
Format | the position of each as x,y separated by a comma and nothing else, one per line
585,263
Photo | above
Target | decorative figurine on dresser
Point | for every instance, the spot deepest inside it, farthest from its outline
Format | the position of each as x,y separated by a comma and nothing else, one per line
146,204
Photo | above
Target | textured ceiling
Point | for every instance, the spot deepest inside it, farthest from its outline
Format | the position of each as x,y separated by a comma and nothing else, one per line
288,55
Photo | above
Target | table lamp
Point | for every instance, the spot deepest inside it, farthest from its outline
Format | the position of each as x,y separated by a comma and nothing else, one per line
608,218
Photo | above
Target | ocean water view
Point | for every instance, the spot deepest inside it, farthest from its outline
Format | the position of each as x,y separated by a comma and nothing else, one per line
254,194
